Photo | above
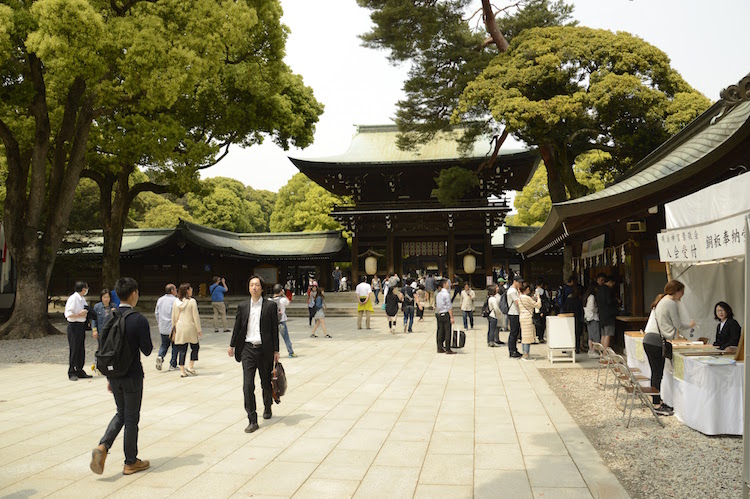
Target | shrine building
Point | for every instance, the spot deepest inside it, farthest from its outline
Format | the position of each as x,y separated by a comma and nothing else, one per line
395,217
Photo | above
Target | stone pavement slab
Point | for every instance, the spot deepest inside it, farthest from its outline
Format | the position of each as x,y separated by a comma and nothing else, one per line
367,414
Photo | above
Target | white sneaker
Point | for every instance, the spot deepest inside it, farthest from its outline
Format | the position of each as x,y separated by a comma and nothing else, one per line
526,358
159,361
593,355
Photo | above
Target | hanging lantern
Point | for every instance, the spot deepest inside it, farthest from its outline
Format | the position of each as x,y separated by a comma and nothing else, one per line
371,265
470,263
371,261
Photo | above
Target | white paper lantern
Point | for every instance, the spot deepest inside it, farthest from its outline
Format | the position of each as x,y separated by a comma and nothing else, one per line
470,263
371,265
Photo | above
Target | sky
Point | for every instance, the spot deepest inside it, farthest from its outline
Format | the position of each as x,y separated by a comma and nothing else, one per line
706,42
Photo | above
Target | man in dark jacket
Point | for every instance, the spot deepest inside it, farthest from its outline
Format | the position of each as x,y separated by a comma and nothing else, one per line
607,303
127,390
255,343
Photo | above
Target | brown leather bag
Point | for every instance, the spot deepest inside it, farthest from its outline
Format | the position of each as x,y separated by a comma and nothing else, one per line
278,382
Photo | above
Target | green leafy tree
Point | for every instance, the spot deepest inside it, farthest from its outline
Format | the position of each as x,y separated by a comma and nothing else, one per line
447,48
266,200
453,184
303,205
533,203
165,216
226,207
159,84
572,89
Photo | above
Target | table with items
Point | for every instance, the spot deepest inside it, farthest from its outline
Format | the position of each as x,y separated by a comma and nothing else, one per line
704,387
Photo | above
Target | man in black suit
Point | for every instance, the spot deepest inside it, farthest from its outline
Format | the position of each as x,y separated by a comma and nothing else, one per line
255,343
127,390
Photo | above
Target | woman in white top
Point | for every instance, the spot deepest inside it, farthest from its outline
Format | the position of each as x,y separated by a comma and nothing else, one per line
187,326
664,323
591,317
467,305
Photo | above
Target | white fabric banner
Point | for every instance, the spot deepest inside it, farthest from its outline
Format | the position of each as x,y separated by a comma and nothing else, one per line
712,203
701,243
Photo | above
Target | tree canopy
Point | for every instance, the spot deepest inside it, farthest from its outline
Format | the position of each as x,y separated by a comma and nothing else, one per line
303,205
224,206
114,85
577,89
533,203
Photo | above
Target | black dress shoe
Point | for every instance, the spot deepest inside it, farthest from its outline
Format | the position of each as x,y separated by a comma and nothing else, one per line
515,355
498,342
251,427
440,350
83,374
450,352
267,413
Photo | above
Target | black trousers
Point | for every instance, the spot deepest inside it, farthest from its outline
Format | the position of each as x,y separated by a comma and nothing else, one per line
515,332
128,393
443,335
77,348
656,361
540,324
253,360
310,313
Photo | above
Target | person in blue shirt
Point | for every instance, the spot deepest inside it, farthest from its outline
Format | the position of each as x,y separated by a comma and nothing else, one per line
217,290
103,311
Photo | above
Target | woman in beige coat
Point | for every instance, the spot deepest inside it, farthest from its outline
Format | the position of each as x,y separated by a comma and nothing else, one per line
187,326
526,307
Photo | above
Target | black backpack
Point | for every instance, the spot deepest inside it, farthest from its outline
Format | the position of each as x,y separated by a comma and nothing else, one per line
114,357
486,308
503,304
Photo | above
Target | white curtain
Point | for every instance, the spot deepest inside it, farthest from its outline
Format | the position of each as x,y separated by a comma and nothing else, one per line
705,285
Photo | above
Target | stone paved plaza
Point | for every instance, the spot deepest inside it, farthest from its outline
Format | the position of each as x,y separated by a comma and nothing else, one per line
367,414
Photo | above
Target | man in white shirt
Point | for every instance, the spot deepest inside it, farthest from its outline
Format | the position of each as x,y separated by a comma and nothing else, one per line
163,314
364,302
255,343
444,315
513,295
76,313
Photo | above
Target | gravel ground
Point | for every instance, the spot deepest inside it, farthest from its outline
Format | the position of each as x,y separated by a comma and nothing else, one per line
650,461
54,349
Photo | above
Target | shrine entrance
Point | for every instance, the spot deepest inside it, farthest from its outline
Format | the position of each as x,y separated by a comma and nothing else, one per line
420,258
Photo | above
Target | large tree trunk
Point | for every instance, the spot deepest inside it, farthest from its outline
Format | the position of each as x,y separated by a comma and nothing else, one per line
114,227
29,319
555,184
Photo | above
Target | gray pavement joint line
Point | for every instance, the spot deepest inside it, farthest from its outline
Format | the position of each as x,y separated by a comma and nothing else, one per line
557,430
385,361
402,410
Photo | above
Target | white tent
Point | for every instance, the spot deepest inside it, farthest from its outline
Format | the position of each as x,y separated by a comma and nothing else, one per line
704,242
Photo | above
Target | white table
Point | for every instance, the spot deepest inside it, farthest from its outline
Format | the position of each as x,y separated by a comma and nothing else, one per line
705,397
561,338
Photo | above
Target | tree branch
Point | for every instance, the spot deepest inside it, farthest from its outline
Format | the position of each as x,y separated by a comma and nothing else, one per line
577,133
491,23
67,129
225,145
498,143
145,187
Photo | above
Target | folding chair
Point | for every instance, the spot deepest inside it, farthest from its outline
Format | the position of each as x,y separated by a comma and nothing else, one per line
623,375
603,362
643,393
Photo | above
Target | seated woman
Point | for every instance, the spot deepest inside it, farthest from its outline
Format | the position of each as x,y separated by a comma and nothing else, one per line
728,330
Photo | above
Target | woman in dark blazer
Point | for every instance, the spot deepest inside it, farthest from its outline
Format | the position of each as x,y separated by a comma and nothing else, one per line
728,330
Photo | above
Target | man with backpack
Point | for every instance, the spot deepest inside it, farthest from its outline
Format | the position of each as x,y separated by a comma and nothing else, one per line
124,337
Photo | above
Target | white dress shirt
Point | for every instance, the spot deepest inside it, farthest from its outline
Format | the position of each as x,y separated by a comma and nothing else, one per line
75,305
253,322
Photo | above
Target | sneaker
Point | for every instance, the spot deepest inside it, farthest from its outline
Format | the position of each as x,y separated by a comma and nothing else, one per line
592,354
137,466
98,456
526,358
491,345
172,368
159,362
292,355
661,411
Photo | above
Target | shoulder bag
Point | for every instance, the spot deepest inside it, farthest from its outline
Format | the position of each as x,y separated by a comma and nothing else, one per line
666,346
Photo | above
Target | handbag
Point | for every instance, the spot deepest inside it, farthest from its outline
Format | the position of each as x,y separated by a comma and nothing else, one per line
666,346
278,382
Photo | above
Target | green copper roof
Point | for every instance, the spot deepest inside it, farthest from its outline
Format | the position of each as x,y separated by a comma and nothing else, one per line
276,245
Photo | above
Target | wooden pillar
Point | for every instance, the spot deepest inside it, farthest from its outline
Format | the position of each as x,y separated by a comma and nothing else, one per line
636,269
355,261
390,251
487,260
451,256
